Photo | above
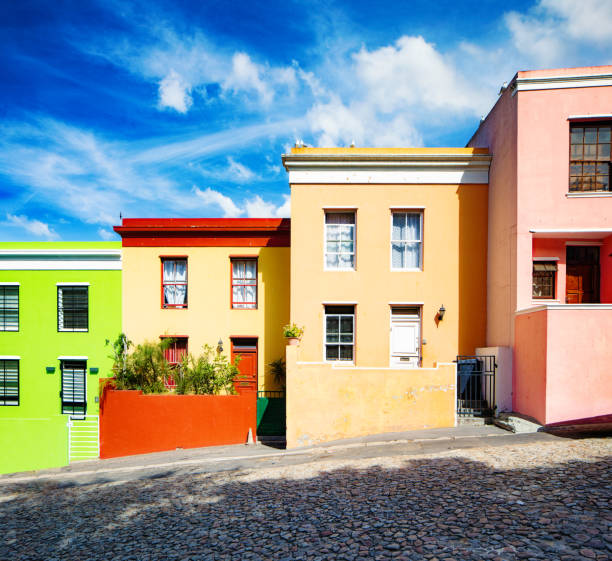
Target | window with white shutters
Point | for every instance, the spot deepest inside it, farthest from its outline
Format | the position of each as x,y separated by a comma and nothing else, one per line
74,400
72,308
9,308
9,382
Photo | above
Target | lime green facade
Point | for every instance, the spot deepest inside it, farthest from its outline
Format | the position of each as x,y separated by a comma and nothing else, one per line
34,433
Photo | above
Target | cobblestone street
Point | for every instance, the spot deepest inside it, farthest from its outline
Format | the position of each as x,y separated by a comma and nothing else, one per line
544,500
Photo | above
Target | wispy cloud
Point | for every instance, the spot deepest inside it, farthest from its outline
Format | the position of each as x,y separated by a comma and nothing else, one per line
255,207
32,226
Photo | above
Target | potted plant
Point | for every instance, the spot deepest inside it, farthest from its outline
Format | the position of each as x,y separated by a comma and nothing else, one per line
293,333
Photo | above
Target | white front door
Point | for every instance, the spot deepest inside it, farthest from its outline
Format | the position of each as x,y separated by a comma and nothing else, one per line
405,340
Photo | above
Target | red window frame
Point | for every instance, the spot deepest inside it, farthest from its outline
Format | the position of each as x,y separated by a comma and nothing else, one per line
179,348
241,305
186,283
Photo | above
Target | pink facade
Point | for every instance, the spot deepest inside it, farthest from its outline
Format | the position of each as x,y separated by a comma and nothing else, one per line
536,221
563,373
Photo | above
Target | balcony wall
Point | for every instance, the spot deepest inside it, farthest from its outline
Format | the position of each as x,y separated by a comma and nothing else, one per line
563,362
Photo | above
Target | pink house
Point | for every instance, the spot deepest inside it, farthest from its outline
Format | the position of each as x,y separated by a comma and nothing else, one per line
549,289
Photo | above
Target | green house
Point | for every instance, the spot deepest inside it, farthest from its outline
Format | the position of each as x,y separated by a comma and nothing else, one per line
59,303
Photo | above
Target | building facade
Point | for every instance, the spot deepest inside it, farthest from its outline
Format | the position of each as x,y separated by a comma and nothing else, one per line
549,286
59,303
220,282
388,279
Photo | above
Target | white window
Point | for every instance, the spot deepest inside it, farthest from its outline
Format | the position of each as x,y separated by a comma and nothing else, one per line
9,308
72,308
244,283
339,333
174,283
340,240
406,241
9,382
74,387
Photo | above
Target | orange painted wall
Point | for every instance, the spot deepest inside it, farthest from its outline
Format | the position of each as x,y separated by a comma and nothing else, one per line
133,423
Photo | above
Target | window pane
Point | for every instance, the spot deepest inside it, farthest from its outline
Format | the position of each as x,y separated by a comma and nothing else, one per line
9,382
346,325
346,233
590,151
590,135
576,152
413,226
398,231
346,247
73,308
73,387
333,233
340,218
9,308
397,255
331,352
603,152
332,261
346,261
604,134
346,352
413,256
333,247
331,329
577,135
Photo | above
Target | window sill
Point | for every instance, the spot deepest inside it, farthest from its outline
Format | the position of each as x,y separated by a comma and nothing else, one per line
340,270
406,270
588,194
73,330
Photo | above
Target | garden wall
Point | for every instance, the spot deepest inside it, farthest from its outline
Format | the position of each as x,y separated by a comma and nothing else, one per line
134,423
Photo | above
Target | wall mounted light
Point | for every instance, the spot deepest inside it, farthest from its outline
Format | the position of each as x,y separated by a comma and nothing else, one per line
441,312
220,346
50,369
94,370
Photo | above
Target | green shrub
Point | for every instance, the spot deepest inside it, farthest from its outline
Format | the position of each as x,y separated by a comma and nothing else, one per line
210,373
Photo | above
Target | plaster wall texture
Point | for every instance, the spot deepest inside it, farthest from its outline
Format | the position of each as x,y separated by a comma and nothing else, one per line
33,435
529,380
562,372
503,375
498,133
133,423
209,316
454,268
352,402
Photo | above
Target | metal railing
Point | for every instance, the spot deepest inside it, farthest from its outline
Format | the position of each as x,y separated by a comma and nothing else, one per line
83,438
476,386
271,393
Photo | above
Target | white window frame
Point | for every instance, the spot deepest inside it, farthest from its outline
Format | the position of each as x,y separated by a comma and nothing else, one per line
14,285
3,399
343,210
61,286
325,315
406,210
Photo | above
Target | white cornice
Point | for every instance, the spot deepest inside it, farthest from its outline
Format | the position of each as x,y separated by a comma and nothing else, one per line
560,82
556,306
387,168
60,259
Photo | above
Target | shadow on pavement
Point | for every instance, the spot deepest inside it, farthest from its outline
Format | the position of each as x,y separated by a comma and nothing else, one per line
445,508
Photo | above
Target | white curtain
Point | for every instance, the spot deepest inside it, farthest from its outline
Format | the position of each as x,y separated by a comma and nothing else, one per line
244,291
406,240
175,272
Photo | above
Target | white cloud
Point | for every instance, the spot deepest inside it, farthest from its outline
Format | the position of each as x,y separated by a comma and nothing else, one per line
239,172
106,234
210,197
247,76
33,226
553,31
174,93
284,211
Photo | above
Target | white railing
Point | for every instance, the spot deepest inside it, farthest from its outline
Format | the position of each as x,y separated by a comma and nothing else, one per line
83,438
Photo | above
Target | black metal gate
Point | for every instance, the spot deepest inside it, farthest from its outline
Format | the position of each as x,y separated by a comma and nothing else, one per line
476,386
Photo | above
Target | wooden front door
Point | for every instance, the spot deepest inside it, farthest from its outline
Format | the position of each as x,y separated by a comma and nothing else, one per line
582,275
246,349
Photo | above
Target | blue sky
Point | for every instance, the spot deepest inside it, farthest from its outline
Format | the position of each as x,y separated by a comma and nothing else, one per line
160,109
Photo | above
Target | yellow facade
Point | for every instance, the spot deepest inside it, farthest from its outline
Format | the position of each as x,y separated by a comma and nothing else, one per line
209,316
449,187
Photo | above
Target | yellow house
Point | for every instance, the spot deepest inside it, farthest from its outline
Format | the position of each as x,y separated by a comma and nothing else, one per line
388,279
209,281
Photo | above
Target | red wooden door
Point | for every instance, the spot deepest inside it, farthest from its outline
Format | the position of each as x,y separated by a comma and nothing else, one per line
246,349
582,275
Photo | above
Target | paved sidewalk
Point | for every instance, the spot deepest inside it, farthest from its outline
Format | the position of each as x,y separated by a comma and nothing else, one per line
221,458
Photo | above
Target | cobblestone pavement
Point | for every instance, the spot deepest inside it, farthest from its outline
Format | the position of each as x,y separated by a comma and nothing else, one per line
544,500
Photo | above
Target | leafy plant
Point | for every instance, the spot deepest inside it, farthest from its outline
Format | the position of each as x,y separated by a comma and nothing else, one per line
278,369
145,368
210,373
293,330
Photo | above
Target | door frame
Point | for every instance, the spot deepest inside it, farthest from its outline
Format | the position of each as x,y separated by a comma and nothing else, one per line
233,353
419,306
595,271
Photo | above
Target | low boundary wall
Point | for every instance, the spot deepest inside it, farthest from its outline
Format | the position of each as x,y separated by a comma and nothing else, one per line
134,423
327,402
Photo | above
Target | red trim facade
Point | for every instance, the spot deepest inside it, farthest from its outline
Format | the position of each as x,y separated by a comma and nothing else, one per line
204,232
